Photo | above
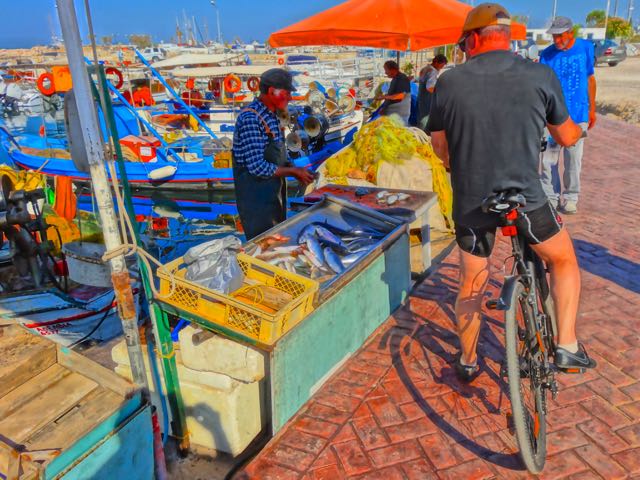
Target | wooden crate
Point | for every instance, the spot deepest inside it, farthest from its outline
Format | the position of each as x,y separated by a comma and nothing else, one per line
58,408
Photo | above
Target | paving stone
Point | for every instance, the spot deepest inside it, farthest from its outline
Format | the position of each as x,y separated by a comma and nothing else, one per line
303,441
385,411
370,433
328,472
601,462
601,435
562,466
315,426
473,470
603,411
326,413
437,450
629,459
631,434
291,457
419,470
632,391
352,457
565,439
396,453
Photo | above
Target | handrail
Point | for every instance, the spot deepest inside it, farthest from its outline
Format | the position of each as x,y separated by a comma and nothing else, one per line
10,137
170,89
142,120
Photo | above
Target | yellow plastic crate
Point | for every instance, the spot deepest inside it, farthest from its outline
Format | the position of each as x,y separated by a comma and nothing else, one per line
232,314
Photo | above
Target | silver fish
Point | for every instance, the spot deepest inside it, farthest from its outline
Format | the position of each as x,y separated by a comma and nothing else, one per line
391,199
333,260
329,237
352,258
313,245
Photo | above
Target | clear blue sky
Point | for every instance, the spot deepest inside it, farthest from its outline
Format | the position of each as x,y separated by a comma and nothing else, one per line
28,22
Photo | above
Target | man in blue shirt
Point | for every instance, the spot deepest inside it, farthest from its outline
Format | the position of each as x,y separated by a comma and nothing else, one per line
572,59
260,163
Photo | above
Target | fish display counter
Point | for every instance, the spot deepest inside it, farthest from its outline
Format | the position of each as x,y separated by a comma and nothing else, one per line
361,262
329,242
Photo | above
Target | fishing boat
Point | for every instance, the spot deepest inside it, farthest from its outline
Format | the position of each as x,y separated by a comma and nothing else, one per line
191,162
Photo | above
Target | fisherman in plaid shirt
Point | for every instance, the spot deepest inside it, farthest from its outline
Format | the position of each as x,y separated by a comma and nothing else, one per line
260,163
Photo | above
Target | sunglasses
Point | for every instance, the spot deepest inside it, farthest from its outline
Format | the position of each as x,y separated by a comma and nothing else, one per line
463,41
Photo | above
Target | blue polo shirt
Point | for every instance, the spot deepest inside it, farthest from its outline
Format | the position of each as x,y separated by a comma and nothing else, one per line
573,68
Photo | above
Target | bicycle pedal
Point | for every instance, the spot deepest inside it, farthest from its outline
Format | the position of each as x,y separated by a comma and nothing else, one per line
492,304
572,370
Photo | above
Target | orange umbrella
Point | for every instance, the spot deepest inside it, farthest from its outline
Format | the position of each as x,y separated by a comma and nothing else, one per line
391,24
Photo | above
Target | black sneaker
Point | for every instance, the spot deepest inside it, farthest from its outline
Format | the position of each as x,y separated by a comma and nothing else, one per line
463,372
574,362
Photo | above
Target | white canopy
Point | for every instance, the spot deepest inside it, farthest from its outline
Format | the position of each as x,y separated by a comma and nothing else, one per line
196,59
256,70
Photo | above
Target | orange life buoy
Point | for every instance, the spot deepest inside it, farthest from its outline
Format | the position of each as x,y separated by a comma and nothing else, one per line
44,90
117,73
253,84
232,83
191,83
281,61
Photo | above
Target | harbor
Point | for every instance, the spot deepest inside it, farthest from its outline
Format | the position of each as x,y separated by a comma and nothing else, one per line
240,260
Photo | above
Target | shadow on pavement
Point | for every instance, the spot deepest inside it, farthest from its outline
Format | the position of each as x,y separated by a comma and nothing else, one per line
597,260
431,338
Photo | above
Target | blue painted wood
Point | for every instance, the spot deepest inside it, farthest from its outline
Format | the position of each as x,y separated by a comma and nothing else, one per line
125,454
87,443
308,354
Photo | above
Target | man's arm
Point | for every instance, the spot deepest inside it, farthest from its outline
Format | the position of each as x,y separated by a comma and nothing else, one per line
592,101
565,134
441,147
395,96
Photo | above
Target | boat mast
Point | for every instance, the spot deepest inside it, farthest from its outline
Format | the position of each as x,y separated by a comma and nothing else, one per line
96,157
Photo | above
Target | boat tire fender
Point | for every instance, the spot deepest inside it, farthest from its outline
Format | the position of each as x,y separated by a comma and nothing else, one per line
232,83
44,90
117,73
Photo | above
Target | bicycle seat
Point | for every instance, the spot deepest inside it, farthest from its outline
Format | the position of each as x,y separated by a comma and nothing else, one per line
503,202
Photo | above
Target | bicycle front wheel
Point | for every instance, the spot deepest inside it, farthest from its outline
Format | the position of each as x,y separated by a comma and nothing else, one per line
525,389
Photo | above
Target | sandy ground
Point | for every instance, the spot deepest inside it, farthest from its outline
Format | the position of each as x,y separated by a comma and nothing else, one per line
619,90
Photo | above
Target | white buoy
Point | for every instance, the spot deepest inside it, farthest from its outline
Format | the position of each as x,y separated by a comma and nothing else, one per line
162,173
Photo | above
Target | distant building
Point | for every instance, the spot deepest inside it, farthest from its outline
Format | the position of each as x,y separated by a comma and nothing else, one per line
541,35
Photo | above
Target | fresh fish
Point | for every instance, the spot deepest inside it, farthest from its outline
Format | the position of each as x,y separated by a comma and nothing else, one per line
326,236
352,258
306,233
382,194
391,199
403,196
314,252
286,249
333,260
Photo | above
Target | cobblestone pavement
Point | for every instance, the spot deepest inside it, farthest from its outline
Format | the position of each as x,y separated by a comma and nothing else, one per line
396,411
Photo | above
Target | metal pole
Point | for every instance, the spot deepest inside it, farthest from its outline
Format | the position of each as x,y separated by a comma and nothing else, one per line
606,18
175,95
96,156
555,9
615,8
629,11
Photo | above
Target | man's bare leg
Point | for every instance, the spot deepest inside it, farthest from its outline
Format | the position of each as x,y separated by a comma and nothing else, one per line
560,257
474,275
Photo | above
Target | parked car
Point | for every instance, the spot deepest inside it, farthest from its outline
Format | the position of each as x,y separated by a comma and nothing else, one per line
608,51
154,54
528,49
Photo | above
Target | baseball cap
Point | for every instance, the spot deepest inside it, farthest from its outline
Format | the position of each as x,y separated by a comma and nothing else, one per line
560,25
278,78
485,15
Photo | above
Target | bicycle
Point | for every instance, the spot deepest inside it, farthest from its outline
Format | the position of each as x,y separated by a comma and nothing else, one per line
530,329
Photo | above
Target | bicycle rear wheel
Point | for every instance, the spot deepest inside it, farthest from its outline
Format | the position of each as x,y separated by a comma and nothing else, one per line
525,389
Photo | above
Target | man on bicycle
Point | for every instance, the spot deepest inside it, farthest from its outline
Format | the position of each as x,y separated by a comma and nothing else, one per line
487,118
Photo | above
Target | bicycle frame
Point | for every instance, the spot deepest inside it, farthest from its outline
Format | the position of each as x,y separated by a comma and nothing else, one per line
529,269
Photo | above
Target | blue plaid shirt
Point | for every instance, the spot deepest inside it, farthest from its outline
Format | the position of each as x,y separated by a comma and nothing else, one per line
250,139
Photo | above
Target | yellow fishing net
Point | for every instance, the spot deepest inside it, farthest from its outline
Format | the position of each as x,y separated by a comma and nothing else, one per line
387,140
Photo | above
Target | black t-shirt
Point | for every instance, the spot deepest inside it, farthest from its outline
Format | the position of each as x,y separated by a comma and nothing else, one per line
399,84
493,109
